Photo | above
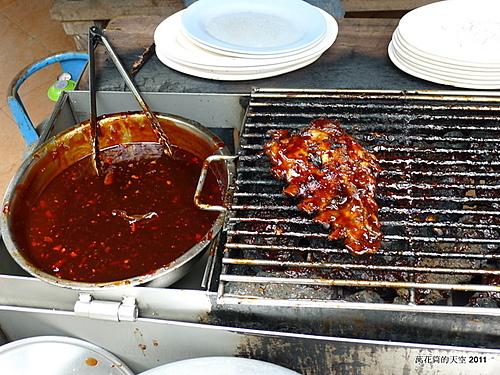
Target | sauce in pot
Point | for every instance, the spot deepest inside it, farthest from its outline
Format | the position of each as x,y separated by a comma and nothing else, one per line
130,221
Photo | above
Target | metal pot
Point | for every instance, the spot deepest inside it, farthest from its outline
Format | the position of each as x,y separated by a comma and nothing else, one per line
66,148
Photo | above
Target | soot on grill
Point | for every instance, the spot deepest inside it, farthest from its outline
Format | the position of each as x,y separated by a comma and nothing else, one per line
438,197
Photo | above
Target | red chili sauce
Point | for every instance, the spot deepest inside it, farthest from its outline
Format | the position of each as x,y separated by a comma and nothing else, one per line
128,222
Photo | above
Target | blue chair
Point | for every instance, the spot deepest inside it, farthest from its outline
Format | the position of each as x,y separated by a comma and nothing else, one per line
71,62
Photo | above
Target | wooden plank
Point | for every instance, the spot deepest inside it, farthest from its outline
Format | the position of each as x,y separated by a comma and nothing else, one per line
383,5
138,26
362,34
91,10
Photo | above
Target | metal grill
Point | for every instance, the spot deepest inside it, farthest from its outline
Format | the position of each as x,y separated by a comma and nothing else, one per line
439,199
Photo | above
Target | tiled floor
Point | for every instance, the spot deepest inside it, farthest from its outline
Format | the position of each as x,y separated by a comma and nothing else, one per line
27,34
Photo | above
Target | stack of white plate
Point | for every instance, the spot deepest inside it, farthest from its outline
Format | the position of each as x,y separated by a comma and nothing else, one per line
453,42
244,39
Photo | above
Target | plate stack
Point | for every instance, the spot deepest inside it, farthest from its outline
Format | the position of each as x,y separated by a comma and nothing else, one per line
244,39
453,42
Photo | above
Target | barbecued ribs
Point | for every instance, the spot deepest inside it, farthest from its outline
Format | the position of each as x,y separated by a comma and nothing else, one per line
335,179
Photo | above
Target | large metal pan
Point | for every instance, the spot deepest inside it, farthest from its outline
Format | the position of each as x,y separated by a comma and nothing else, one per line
65,149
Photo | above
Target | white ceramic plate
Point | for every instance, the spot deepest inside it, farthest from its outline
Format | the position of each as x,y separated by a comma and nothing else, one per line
238,70
456,79
419,72
401,44
443,68
254,26
171,43
232,76
220,366
465,31
432,76
446,60
251,55
57,355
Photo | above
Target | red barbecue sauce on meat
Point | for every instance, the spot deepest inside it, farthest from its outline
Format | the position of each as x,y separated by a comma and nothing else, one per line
74,232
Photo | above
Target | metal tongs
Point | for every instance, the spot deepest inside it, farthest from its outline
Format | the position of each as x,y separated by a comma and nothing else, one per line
96,35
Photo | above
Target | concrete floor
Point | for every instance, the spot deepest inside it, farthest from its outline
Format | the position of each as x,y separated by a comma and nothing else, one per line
27,34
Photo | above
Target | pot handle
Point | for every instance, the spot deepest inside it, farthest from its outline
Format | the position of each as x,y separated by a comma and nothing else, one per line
201,182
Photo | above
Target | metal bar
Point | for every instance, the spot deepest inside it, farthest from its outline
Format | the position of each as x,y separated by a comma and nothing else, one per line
388,223
407,127
395,196
434,211
467,199
444,96
367,267
409,238
382,252
359,283
404,211
95,130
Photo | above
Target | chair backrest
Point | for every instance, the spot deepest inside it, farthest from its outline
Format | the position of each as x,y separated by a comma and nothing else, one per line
71,62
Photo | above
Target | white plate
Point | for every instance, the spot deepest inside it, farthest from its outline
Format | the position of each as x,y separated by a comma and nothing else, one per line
251,55
232,70
233,76
465,31
446,60
236,69
57,355
171,43
445,63
432,76
456,78
443,68
419,72
220,366
254,26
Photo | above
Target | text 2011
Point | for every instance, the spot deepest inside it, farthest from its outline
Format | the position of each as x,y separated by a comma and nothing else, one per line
477,359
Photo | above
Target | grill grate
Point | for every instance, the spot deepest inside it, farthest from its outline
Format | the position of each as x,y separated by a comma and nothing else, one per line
439,199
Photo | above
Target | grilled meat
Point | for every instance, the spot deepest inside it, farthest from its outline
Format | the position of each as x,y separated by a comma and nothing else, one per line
335,179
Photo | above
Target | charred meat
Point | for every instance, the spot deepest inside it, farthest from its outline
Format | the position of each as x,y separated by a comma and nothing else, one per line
335,179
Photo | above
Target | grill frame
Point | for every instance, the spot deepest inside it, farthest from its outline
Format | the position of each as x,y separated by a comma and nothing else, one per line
294,109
